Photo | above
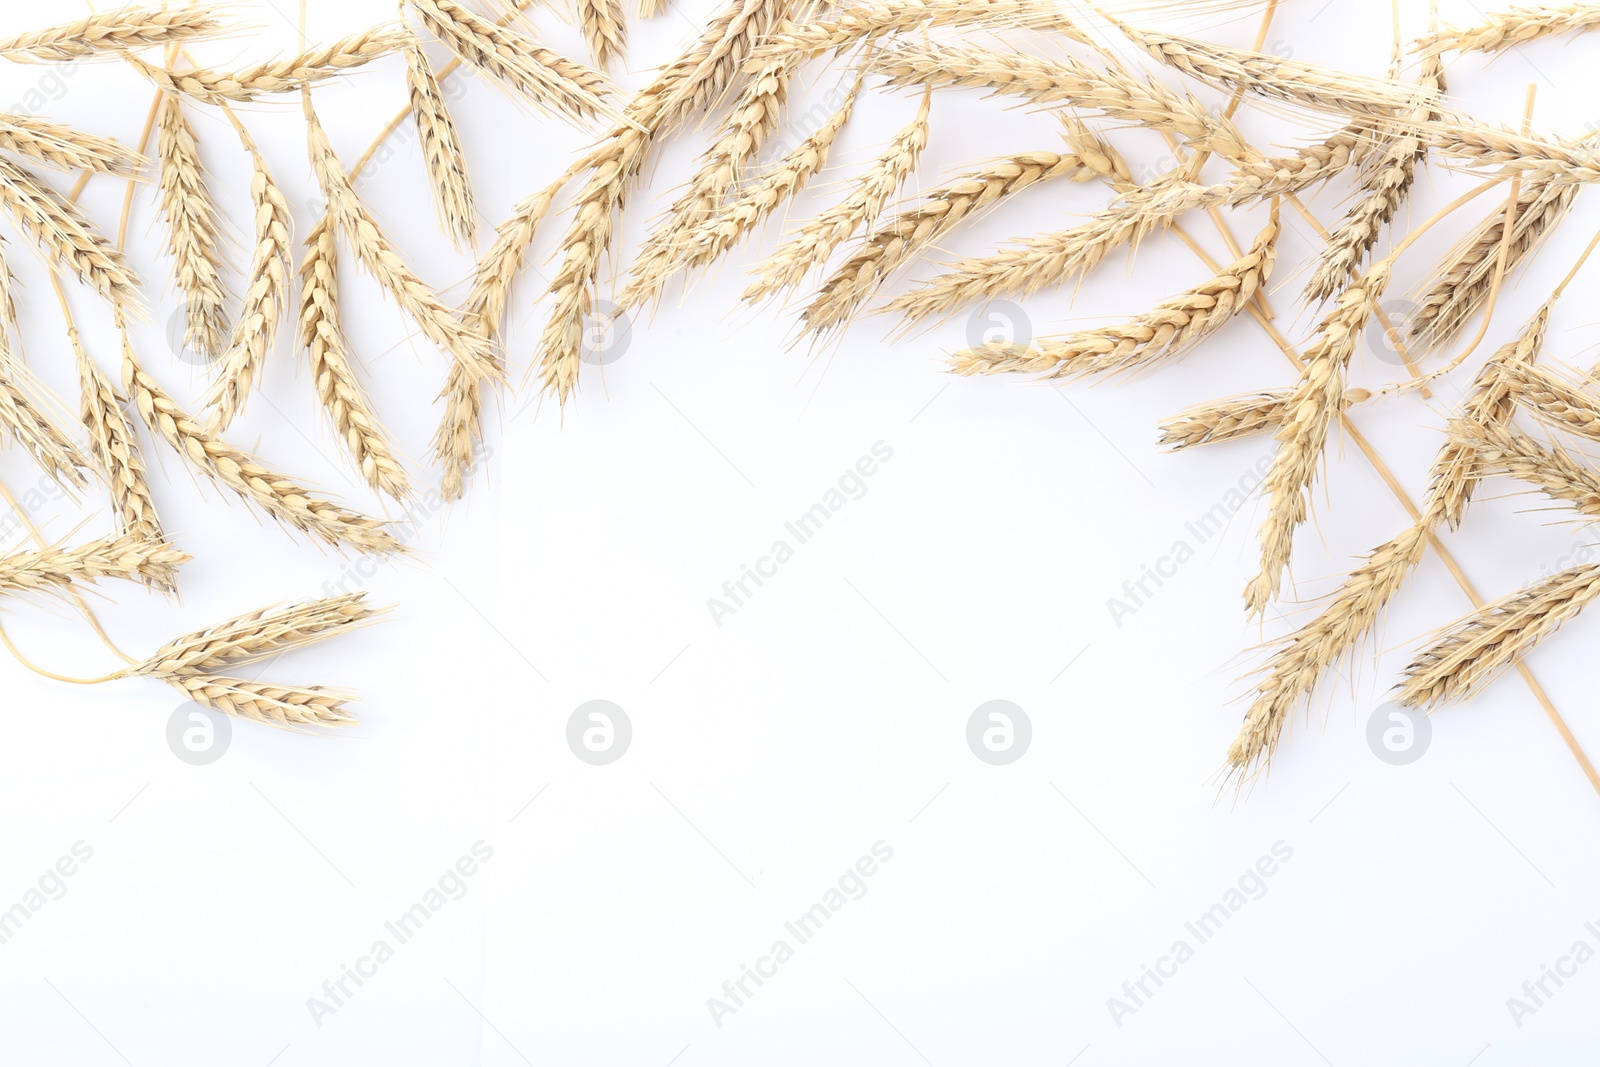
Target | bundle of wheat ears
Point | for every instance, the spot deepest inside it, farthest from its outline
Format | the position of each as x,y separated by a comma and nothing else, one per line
1098,71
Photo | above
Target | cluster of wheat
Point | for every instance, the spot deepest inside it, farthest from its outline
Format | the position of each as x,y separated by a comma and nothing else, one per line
739,71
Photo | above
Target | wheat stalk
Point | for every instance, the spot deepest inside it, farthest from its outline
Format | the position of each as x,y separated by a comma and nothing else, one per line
605,27
68,238
815,241
276,495
377,253
114,32
940,212
752,120
264,302
333,372
64,148
1474,651
1507,29
441,149
129,557
1382,191
280,75
1313,407
192,237
1170,328
552,81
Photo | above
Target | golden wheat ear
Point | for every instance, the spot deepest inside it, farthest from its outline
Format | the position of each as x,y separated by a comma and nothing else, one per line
279,75
134,559
1507,29
65,148
442,153
192,237
111,35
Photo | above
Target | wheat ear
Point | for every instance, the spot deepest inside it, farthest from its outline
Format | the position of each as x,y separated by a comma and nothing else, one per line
1265,177
1552,470
65,148
49,447
1229,419
1511,154
264,302
849,25
1556,401
68,238
1044,260
268,632
1383,188
1466,276
276,495
605,27
750,122
192,237
1169,329
1478,648
649,9
377,253
441,149
1313,408
1288,80
114,32
116,448
281,75
135,559
287,707
1045,81
1507,29
684,87
750,206
940,212
333,372
815,241
549,80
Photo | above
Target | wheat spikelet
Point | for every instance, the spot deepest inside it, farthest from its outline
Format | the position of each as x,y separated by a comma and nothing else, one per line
134,559
1382,191
64,148
68,238
113,33
332,371
1554,471
684,87
547,79
1170,328
865,20
116,449
1466,276
1288,80
192,236
815,241
750,206
1556,401
1313,408
605,27
49,447
1507,29
268,632
273,493
1237,417
649,9
940,212
1497,636
377,253
264,302
1050,258
282,706
441,149
1299,662
753,118
1044,81
281,75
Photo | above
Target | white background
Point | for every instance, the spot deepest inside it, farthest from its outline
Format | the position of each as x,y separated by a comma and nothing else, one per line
827,714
